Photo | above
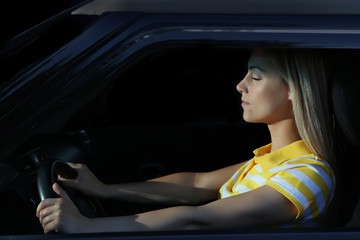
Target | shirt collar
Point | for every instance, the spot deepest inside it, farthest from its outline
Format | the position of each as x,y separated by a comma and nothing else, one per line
291,151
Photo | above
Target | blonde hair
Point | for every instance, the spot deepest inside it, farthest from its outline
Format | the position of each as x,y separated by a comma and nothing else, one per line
305,73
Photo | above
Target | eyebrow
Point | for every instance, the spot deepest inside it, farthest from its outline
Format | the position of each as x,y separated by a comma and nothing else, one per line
256,67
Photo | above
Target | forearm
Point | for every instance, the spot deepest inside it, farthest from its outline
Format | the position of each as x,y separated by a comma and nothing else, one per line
174,218
175,189
209,216
261,207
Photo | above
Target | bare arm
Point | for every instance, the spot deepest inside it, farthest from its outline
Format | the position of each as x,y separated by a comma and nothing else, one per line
175,189
261,207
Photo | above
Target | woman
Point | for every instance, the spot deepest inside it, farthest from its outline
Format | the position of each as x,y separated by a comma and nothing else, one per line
287,181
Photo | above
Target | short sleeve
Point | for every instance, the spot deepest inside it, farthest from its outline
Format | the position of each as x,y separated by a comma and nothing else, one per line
310,187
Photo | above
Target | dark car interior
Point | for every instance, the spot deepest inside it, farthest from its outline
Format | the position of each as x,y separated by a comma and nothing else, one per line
175,109
345,106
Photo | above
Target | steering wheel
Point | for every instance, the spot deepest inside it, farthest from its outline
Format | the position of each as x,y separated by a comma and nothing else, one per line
48,174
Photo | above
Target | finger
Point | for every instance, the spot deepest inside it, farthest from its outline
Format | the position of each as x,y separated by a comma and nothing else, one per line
51,226
49,217
45,204
61,192
66,180
75,165
45,213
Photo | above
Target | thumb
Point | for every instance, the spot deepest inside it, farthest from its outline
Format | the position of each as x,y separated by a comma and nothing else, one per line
61,192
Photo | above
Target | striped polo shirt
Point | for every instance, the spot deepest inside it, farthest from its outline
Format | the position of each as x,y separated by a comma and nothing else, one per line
305,179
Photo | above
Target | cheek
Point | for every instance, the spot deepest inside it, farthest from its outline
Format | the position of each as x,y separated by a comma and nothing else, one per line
280,103
274,100
269,95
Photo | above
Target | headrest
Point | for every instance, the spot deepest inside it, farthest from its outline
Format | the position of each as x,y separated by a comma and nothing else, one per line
346,96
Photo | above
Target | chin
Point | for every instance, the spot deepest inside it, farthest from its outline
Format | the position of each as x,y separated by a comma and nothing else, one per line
250,119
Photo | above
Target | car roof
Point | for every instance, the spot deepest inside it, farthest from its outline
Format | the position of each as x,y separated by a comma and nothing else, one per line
283,7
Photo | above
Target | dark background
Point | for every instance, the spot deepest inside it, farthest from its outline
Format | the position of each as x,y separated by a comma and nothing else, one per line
19,15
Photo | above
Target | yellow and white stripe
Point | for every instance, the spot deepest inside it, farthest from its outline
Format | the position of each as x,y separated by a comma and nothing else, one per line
306,180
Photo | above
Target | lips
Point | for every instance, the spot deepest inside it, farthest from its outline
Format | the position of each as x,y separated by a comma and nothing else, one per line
244,103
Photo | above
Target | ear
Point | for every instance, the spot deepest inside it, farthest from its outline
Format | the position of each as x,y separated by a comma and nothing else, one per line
290,95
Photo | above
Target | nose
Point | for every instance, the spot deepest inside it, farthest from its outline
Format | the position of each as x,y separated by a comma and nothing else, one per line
241,87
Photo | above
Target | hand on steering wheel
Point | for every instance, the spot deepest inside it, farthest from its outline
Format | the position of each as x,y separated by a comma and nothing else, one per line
48,175
60,214
84,181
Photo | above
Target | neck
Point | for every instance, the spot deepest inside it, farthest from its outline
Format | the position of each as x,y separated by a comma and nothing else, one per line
283,133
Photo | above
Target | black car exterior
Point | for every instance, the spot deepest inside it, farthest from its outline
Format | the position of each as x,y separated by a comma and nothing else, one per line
57,69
